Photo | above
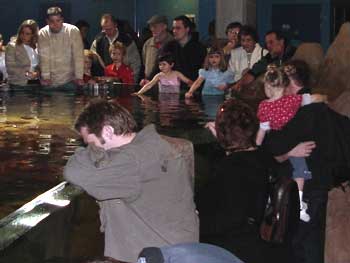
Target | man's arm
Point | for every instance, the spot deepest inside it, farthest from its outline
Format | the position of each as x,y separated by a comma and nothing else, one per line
260,66
246,79
299,129
44,55
102,177
10,60
303,149
93,46
78,53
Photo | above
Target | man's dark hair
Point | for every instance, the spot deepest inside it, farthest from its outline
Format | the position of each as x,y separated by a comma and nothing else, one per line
233,25
54,11
99,113
186,22
279,35
236,125
249,31
299,71
82,23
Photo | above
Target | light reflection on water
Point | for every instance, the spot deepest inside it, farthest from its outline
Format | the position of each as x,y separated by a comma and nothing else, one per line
36,136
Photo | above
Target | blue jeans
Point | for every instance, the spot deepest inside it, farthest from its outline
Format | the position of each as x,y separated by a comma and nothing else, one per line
300,169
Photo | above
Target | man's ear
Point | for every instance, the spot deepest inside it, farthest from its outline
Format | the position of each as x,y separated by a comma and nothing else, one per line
107,132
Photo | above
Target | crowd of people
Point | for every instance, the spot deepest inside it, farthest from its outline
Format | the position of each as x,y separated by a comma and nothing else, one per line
60,55
143,185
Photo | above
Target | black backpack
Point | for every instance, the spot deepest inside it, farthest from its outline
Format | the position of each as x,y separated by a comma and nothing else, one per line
282,211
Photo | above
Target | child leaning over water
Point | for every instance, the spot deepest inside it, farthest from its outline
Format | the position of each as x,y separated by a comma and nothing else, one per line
168,79
214,73
118,69
276,111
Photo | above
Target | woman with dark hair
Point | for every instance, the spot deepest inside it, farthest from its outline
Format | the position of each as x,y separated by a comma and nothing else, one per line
232,203
21,55
233,40
299,76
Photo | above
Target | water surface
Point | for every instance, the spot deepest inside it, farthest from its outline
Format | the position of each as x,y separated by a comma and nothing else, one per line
36,135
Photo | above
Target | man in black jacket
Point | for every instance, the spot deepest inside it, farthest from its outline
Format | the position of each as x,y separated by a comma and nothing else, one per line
189,54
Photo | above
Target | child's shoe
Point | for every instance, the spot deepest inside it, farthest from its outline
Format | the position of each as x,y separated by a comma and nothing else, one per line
304,216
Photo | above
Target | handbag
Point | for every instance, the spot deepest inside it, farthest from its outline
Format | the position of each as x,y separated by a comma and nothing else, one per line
281,216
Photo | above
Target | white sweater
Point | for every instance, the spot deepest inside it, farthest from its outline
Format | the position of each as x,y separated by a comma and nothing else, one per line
239,60
61,54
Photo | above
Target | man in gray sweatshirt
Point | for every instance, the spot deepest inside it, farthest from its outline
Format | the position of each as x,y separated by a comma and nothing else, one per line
141,181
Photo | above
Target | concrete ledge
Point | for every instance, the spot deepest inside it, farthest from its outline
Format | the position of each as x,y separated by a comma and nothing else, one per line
31,214
60,224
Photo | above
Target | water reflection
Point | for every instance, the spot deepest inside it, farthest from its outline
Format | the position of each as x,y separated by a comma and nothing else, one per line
36,135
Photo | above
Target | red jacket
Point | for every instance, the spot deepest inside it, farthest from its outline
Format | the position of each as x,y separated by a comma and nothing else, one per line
124,73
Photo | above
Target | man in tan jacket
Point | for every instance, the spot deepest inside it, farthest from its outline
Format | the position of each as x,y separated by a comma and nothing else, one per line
60,49
143,184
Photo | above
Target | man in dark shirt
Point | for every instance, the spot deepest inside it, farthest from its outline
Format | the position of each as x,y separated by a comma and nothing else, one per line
279,52
189,54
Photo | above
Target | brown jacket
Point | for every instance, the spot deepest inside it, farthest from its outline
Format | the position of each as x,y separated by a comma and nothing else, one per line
145,191
17,64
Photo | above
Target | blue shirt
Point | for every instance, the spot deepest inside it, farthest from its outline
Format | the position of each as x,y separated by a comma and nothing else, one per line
213,78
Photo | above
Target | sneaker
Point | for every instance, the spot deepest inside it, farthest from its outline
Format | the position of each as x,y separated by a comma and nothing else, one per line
304,216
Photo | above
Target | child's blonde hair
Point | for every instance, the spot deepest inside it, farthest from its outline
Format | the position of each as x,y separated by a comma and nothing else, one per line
118,45
275,77
215,50
88,54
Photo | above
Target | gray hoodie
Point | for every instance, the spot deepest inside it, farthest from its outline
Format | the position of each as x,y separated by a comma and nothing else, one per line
144,189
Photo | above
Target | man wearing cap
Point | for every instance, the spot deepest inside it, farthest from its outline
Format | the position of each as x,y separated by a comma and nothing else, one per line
160,36
60,49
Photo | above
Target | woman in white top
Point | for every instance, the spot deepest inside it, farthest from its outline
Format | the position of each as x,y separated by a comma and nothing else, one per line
22,57
3,73
244,57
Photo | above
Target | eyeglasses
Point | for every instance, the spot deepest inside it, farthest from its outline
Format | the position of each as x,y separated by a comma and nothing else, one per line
232,31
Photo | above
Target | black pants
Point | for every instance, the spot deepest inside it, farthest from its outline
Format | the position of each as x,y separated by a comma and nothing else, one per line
309,241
